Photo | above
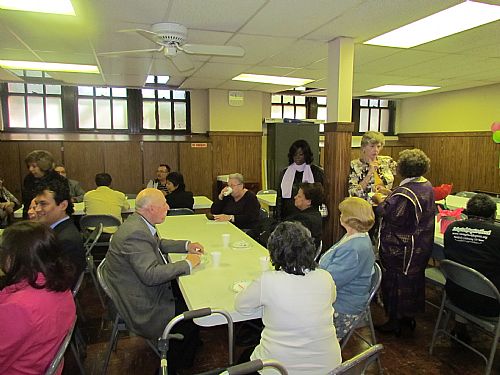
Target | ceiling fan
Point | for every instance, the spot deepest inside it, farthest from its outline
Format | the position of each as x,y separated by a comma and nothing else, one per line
172,37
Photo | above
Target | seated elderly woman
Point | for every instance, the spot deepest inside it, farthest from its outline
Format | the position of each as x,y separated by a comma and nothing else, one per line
350,262
36,305
308,199
8,204
177,196
236,204
298,329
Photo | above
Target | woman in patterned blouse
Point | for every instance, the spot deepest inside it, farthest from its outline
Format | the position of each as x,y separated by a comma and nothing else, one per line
371,172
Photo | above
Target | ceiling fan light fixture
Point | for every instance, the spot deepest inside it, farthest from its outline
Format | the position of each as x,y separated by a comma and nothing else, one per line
274,80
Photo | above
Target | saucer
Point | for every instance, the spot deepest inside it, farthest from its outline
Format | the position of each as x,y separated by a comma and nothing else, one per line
242,244
238,286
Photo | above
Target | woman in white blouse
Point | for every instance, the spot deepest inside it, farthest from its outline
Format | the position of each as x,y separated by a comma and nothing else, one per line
296,299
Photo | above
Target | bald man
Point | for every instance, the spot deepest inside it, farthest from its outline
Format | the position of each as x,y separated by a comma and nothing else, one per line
137,271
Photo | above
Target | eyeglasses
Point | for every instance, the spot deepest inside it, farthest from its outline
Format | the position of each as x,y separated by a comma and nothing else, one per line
233,185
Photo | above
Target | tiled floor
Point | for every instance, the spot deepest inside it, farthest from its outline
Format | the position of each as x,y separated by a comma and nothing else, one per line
405,355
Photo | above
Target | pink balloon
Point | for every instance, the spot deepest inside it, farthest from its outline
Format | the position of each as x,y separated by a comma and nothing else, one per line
495,126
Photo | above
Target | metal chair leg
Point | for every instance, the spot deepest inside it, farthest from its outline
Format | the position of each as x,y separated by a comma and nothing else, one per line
111,344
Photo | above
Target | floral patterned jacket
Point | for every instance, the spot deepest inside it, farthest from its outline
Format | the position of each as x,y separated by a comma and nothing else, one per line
359,170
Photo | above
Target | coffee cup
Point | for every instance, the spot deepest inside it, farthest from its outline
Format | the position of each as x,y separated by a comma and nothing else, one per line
228,191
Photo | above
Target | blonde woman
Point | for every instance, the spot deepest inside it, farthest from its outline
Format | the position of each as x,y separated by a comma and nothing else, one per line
350,262
371,172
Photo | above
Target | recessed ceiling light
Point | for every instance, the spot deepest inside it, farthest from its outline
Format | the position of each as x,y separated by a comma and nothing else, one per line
402,88
49,67
275,80
450,21
53,6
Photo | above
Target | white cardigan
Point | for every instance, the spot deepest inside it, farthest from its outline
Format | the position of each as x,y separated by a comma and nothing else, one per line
298,320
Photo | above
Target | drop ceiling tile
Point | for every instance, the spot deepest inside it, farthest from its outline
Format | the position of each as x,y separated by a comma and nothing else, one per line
125,65
257,48
217,15
217,70
200,83
398,60
298,55
295,18
79,78
271,88
67,58
125,80
131,11
17,54
7,76
237,85
270,70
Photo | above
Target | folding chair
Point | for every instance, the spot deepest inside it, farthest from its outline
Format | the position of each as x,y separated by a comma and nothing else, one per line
163,341
180,211
366,315
358,364
89,222
256,365
433,274
89,244
118,323
318,251
472,280
56,362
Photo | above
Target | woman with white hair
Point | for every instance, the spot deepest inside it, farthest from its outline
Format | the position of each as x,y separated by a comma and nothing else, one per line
236,204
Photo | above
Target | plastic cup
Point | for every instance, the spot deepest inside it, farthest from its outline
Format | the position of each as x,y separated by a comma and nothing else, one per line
226,238
264,263
216,255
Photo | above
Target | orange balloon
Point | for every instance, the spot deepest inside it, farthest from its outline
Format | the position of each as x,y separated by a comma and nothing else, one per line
495,126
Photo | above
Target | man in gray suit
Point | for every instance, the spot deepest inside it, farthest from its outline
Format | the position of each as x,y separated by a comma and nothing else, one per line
136,270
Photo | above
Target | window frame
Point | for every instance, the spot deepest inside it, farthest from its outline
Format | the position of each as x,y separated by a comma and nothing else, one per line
356,112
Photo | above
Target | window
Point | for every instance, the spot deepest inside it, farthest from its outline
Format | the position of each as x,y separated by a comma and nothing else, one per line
288,106
373,114
165,110
102,108
33,104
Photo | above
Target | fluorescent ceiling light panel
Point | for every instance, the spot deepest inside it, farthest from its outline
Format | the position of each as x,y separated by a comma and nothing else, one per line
275,80
41,6
402,88
450,21
49,67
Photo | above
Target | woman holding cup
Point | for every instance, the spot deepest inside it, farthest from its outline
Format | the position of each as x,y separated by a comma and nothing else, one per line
236,204
371,173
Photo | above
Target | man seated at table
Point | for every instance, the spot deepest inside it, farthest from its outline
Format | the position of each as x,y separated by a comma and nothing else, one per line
160,182
236,204
139,275
75,189
475,243
53,207
105,201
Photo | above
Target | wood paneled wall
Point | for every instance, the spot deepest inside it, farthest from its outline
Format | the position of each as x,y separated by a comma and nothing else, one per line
196,166
83,160
156,153
237,152
468,160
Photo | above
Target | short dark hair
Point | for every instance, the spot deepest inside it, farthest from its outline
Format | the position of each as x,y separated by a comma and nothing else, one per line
313,192
481,205
292,248
59,188
306,149
166,166
29,248
103,179
42,158
177,180
413,163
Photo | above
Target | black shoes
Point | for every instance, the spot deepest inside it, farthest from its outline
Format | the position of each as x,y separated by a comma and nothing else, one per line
396,326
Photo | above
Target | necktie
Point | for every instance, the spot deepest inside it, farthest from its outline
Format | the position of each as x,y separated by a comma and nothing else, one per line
158,248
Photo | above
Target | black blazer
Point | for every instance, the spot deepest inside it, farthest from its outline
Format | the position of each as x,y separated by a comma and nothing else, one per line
70,240
311,219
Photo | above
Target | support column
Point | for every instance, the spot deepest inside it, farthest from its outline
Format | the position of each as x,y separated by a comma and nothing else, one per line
338,132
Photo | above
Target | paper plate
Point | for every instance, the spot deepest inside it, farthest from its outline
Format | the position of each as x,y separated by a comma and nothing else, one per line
242,244
204,259
238,286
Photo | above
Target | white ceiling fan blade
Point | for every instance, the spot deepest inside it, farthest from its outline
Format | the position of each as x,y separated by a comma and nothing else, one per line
131,51
208,49
144,33
181,62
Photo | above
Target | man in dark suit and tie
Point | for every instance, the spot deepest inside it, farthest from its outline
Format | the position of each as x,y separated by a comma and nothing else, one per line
53,208
137,272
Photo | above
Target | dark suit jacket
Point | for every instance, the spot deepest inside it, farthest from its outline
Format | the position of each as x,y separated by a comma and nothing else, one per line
139,280
71,242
